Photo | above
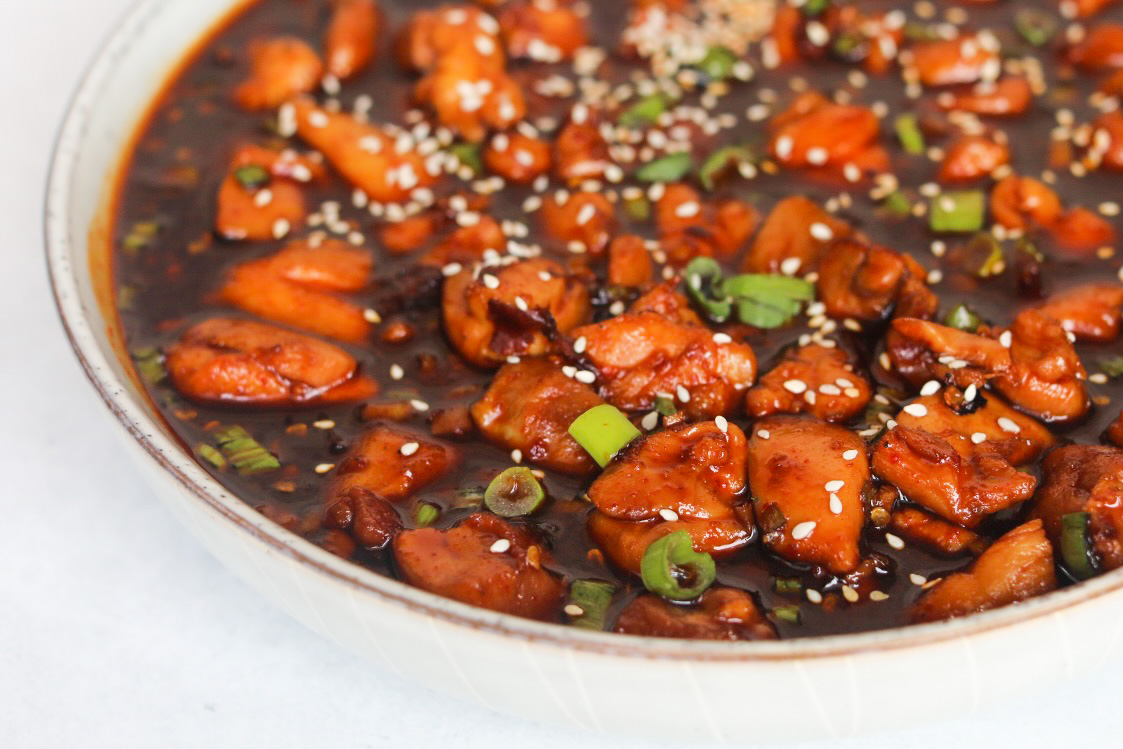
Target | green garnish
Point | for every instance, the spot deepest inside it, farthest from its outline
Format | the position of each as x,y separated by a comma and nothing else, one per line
468,154
984,249
788,585
703,285
593,598
813,8
150,364
211,455
603,431
763,301
718,63
898,204
789,614
669,168
425,515
908,131
126,296
720,160
252,176
1112,367
665,406
915,31
141,235
672,569
1035,26
961,317
514,492
638,209
246,454
1075,549
1029,248
958,211
645,111
848,44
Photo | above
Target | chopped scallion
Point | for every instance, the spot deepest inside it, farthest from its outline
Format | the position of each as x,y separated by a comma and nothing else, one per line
211,455
593,598
468,154
666,169
703,285
514,492
958,211
665,406
985,255
961,317
1112,366
141,235
252,176
721,160
645,111
425,515
908,131
1075,549
246,454
638,209
603,431
789,614
897,203
788,585
673,569
718,63
150,364
1036,26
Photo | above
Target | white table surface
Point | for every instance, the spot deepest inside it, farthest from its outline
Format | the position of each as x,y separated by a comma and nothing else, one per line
118,630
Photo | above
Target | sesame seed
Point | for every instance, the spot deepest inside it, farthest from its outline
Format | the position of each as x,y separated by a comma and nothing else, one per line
1007,425
281,228
970,393
852,392
721,423
722,338
850,455
919,410
324,467
1006,339
585,376
579,345
790,266
834,486
829,389
803,530
763,434
916,579
649,421
1098,378
501,546
516,456
324,424
978,438
688,209
572,609
669,515
490,281
894,541
930,388
850,594
682,393
451,269
878,595
419,405
586,214
795,386
814,596
409,448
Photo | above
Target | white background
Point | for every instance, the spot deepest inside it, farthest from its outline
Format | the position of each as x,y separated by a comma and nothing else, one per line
118,630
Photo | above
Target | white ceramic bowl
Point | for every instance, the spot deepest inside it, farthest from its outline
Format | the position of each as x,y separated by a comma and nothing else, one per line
735,692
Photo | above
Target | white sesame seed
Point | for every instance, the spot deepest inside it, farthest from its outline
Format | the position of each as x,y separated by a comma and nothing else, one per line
878,595
490,281
324,424
451,269
916,579
919,410
1099,378
281,228
813,595
850,594
784,146
419,405
669,515
722,338
852,392
501,546
649,421
834,486
795,387
930,388
682,393
803,530
572,609
516,456
579,345
978,438
1006,339
409,448
1007,425
850,455
790,266
585,376
372,316
829,389
894,541
688,209
586,214
763,434
324,467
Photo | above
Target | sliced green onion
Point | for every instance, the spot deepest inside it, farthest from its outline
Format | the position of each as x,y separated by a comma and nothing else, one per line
720,160
915,31
667,169
1036,27
703,285
150,364
665,406
849,45
898,204
638,209
603,431
1075,549
252,176
1029,248
812,8
211,455
961,317
908,131
767,301
671,568
126,296
645,111
425,515
141,235
789,614
788,585
593,598
985,253
718,63
958,211
468,154
246,454
1112,366
514,492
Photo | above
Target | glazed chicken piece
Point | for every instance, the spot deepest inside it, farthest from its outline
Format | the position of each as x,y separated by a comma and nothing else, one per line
1101,48
586,220
1085,478
364,155
544,32
919,527
1008,97
1091,311
812,379
392,464
529,407
486,323
1114,433
1082,231
1109,134
868,282
299,286
807,478
372,520
965,59
260,198
642,354
517,158
1015,567
691,227
629,262
280,69
686,477
816,132
720,614
226,360
460,564
665,300
351,41
467,244
580,151
795,228
1021,202
970,157
432,34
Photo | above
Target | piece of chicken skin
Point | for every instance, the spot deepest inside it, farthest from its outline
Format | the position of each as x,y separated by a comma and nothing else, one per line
833,390
1091,311
719,614
378,464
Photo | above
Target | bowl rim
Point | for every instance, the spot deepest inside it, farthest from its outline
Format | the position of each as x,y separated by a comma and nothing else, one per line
65,258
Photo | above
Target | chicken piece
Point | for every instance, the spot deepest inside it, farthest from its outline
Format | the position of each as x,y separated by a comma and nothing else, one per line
517,158
580,151
433,34
796,228
259,198
529,407
1085,8
280,69
918,527
1007,97
1020,202
1101,48
543,32
1082,231
827,386
865,282
298,286
364,155
961,487
970,157
965,59
486,323
1085,478
393,464
629,262
986,424
351,41
226,360
690,227
585,220
666,301
625,541
640,355
1107,139
1016,567
807,480
460,564
372,520
1090,311
467,244
823,134
1114,433
470,94
720,614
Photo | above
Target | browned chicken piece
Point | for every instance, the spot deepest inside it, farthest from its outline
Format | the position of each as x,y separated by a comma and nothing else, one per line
432,34
961,487
585,220
226,360
625,541
816,132
280,69
691,227
1085,478
1020,202
467,244
460,564
796,228
486,323
260,198
965,59
986,424
580,151
918,527
665,300
299,286
364,155
1009,97
868,282
1100,48
1015,567
517,158
720,614
811,379
640,355
470,92
372,520
544,32
970,157
807,479
393,464
351,41
1114,432
1090,311
629,262
529,407
1109,134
